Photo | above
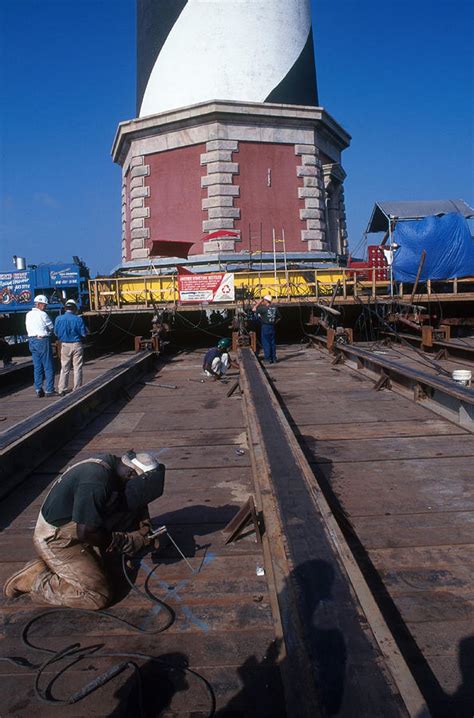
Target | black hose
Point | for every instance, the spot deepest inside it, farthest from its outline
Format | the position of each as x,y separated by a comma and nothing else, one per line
75,653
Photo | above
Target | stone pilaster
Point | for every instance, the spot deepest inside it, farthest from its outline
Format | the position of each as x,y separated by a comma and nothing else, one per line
334,177
124,217
219,203
312,192
139,192
343,223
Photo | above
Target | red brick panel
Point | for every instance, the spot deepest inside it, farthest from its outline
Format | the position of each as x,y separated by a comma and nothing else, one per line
269,195
175,196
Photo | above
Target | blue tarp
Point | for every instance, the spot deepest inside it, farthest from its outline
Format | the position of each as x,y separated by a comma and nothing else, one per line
448,244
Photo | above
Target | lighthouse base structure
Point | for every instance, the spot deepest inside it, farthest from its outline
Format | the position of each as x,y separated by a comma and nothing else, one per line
269,174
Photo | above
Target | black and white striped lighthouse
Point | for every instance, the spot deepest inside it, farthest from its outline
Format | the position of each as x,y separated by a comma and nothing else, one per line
191,51
229,136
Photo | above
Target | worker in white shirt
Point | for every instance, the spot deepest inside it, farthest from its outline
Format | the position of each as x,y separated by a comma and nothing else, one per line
39,328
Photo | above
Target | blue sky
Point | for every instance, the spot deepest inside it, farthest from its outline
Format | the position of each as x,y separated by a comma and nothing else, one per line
397,75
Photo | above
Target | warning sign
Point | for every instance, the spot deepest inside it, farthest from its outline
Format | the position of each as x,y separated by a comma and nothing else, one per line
206,287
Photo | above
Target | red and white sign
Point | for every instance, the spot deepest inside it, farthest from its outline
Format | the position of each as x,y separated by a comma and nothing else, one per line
206,287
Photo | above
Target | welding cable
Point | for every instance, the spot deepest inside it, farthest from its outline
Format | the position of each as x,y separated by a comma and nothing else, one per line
75,653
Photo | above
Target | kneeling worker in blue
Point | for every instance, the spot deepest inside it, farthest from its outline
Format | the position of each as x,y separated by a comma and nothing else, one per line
217,359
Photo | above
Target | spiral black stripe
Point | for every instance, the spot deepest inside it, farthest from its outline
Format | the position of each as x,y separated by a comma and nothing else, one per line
187,53
155,19
299,87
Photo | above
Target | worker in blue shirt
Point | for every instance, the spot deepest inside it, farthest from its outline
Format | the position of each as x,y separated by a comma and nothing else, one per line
70,329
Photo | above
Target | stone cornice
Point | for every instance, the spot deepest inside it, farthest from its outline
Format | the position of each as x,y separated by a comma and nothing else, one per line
255,113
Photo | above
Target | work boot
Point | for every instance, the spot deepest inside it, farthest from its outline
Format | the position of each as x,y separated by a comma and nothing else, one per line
40,393
22,581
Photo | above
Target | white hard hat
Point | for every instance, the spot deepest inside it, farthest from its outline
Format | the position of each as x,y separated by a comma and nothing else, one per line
141,462
268,297
40,299
70,303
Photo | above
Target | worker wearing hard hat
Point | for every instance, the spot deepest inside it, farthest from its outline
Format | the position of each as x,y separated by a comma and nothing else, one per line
217,359
76,529
269,315
70,329
39,328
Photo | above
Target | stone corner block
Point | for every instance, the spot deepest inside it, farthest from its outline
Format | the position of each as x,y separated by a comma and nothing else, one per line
212,145
316,245
141,191
305,171
216,156
305,150
216,212
219,245
218,167
140,171
313,234
229,190
143,233
310,214
214,224
217,178
140,253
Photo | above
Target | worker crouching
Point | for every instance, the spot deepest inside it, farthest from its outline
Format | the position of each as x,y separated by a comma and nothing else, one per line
96,508
217,359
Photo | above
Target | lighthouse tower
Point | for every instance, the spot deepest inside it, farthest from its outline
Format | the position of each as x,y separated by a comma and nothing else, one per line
229,133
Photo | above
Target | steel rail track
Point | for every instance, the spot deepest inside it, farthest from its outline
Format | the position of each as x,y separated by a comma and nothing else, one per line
26,444
302,537
449,347
439,394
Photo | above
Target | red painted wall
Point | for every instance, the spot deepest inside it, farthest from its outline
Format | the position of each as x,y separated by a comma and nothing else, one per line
175,196
275,206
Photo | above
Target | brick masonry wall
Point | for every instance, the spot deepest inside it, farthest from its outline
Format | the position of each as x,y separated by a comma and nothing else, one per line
172,208
269,196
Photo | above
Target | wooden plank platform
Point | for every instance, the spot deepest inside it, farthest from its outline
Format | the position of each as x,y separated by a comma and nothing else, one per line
223,625
400,481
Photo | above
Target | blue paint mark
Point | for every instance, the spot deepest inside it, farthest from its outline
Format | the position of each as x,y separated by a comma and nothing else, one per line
191,618
208,558
173,593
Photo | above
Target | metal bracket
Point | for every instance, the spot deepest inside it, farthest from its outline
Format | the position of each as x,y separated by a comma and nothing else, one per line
419,393
241,520
383,382
338,359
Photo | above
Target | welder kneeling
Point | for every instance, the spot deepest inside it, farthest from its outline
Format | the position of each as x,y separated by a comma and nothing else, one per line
97,508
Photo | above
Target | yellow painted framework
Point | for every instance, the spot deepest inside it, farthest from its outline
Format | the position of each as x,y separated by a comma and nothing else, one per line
153,290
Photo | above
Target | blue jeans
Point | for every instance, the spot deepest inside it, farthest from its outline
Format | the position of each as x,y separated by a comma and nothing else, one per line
267,337
42,355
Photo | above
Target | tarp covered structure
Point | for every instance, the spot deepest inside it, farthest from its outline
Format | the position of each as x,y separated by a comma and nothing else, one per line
417,209
448,244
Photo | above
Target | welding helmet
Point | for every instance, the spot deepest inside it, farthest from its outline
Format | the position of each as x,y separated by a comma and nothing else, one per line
141,462
40,299
223,344
144,488
148,484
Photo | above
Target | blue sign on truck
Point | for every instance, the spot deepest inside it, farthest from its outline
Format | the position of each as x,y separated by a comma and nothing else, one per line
58,281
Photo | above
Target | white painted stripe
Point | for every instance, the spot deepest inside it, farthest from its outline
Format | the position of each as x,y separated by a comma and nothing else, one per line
227,50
